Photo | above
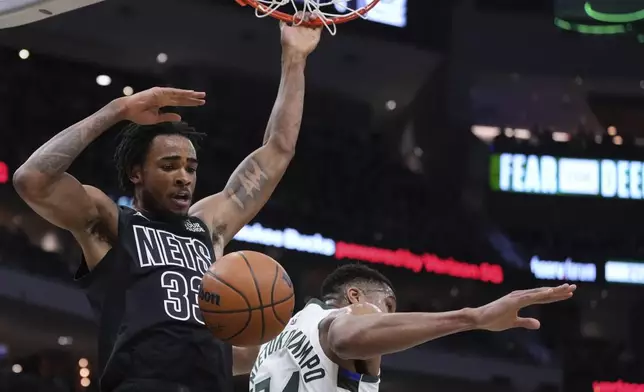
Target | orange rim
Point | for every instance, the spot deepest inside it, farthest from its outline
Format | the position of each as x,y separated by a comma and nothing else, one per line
283,16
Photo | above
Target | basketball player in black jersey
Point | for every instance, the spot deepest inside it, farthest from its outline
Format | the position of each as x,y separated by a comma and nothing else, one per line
141,267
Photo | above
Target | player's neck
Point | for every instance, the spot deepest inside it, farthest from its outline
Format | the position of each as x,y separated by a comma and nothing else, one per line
334,304
138,206
155,213
144,203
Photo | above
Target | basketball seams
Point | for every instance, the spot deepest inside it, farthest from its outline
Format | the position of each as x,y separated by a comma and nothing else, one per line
229,316
248,309
277,317
259,294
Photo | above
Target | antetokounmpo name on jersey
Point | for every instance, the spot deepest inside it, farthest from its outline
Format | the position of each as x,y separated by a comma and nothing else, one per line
159,247
300,347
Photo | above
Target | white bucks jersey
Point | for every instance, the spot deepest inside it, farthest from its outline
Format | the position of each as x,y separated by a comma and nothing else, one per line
295,362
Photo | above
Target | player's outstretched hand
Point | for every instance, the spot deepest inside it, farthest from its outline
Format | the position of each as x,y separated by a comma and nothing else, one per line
300,40
143,108
503,313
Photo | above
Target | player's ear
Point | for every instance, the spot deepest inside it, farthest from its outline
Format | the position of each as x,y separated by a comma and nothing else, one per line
354,295
136,175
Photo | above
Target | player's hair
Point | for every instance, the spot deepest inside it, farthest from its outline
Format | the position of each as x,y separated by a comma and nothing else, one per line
135,144
335,284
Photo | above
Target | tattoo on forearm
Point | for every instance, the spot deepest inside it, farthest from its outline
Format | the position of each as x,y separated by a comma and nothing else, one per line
54,157
246,183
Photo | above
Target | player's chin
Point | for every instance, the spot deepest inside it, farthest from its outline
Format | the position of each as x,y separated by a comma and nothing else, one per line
179,206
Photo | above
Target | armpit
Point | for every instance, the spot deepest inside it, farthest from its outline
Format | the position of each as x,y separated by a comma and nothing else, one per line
100,230
218,240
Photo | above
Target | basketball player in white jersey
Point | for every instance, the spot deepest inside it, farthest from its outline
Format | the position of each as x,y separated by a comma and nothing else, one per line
335,345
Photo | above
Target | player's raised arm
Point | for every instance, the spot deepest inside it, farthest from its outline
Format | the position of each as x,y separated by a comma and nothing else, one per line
362,331
43,183
252,183
57,196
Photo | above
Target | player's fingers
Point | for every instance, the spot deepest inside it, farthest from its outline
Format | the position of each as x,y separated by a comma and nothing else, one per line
522,295
192,98
525,296
559,291
177,92
187,94
546,291
565,287
313,19
187,102
169,117
539,290
555,298
546,295
527,323
298,17
174,95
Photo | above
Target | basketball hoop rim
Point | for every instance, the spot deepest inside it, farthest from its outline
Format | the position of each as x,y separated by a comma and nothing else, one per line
288,18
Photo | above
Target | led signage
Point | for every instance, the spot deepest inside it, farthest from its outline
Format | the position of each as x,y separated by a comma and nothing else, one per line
4,173
563,270
624,272
317,244
617,386
549,175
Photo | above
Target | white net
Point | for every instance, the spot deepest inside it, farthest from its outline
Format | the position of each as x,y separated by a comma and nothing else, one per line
325,10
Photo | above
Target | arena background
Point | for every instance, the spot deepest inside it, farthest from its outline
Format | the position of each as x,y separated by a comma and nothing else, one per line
464,148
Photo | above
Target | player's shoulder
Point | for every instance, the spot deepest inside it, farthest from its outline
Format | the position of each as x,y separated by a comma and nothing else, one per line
362,308
351,310
316,303
312,312
320,308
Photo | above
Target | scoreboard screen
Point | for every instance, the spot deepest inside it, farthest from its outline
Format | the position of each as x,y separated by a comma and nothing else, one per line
553,175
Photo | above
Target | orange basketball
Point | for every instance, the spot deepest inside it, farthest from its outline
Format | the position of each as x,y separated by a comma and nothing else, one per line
246,298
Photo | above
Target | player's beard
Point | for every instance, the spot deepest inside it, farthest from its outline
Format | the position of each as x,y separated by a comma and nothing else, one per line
152,205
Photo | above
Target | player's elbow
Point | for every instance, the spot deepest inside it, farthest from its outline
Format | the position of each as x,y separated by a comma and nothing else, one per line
28,183
282,144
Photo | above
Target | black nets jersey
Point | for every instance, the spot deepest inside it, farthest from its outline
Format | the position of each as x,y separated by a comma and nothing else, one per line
144,295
